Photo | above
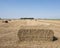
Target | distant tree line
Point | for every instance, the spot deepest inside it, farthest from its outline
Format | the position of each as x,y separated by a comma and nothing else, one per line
0,18
26,18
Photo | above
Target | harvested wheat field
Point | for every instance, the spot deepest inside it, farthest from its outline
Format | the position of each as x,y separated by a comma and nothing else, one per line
9,33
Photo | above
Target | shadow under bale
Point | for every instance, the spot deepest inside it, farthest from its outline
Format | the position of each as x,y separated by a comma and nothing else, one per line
54,38
35,35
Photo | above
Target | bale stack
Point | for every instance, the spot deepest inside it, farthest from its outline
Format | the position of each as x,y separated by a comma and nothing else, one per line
33,34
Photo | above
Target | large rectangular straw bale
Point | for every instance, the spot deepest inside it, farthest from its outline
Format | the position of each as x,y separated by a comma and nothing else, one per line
30,34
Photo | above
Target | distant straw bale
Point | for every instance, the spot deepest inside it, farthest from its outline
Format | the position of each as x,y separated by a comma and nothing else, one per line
5,21
26,34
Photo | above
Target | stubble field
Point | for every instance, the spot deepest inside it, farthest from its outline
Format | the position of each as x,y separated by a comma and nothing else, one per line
9,31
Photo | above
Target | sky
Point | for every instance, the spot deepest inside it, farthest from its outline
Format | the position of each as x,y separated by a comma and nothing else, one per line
30,8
